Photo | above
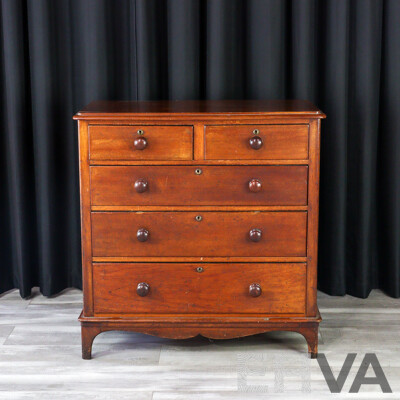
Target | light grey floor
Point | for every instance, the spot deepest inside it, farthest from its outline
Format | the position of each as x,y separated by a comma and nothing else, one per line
40,356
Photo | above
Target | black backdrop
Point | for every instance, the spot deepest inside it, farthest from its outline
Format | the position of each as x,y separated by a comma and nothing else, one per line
58,55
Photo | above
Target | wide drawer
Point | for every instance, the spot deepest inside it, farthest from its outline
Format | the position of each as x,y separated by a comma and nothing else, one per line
218,288
152,143
199,234
270,142
205,185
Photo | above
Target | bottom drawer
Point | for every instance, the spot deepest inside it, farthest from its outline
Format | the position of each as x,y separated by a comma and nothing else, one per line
199,288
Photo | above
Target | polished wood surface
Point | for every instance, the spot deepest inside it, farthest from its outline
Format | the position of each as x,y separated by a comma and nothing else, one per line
273,142
140,143
199,162
255,235
217,234
255,142
255,185
199,217
180,288
255,290
312,223
142,288
141,185
86,231
205,185
199,259
288,108
142,235
155,143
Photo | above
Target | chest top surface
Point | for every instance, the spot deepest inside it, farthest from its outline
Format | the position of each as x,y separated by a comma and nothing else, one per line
299,108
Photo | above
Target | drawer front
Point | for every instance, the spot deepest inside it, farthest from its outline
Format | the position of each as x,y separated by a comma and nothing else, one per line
219,288
199,234
215,185
156,142
273,142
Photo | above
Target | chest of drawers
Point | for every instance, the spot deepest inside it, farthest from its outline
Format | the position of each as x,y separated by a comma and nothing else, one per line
199,218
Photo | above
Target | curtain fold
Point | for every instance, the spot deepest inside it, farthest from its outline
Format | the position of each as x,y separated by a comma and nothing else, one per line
56,56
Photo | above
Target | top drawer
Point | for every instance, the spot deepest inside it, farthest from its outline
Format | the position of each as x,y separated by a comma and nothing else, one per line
256,142
140,142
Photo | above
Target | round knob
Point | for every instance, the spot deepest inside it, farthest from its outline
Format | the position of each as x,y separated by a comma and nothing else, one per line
142,234
255,185
255,142
143,289
255,290
255,235
141,185
140,143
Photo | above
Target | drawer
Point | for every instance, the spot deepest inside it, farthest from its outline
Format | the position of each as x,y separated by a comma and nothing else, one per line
156,143
215,185
199,234
272,142
219,288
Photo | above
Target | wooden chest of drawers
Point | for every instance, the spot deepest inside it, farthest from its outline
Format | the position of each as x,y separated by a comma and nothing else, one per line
199,217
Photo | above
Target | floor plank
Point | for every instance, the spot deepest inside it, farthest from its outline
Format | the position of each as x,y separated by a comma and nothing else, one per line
40,355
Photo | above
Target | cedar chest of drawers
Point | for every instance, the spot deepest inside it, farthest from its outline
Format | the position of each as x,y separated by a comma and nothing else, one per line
199,218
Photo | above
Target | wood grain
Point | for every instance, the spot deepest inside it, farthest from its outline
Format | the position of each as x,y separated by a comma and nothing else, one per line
218,234
86,229
198,132
42,331
199,163
231,142
199,208
179,288
216,185
163,142
204,108
312,225
199,259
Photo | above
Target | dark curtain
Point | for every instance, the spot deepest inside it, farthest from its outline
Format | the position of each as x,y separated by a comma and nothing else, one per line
58,55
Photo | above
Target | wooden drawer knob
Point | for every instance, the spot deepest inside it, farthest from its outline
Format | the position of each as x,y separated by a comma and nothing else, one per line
141,185
255,142
142,235
255,290
255,185
255,235
143,289
140,143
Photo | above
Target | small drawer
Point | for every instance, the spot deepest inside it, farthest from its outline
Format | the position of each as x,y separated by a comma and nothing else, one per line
256,142
199,234
140,142
199,288
203,185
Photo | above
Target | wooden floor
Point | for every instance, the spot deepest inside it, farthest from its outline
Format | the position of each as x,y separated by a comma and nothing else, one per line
40,356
